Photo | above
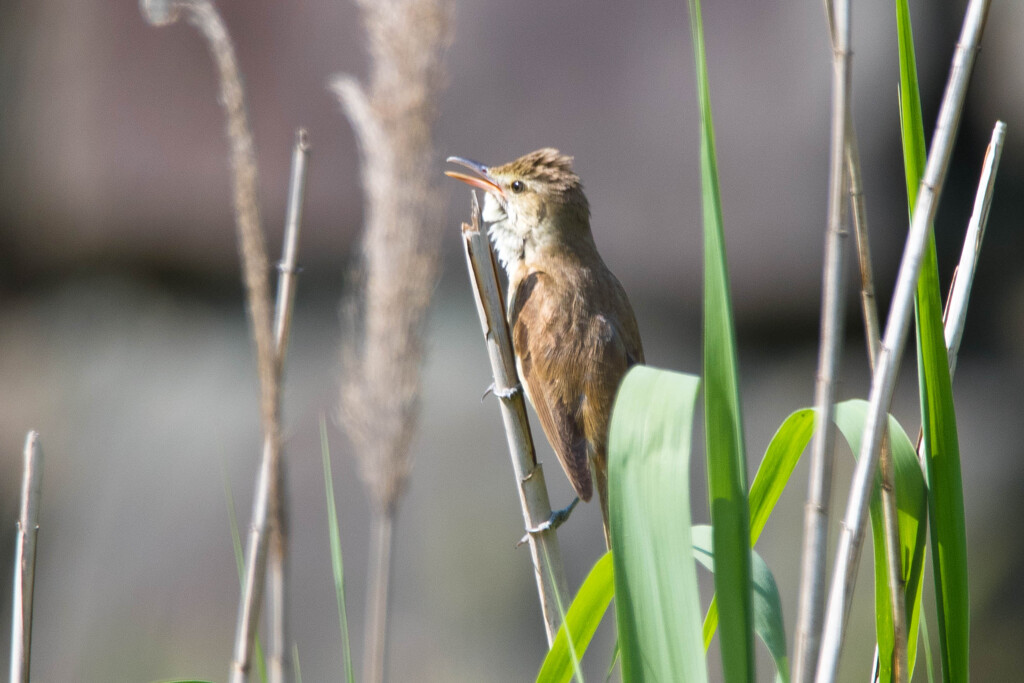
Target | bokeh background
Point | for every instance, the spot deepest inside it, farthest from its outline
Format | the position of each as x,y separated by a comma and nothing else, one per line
123,338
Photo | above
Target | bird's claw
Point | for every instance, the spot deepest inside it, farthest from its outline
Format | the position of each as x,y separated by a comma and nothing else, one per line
503,393
557,519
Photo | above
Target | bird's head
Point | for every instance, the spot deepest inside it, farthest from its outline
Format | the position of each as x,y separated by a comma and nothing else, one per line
533,203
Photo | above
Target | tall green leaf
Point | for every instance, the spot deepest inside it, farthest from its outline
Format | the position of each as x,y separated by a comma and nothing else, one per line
337,563
657,606
723,422
768,622
582,619
781,457
941,445
911,515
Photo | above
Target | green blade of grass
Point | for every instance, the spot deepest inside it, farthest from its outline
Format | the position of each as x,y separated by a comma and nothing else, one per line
772,476
723,422
768,623
582,619
337,566
657,606
781,457
236,542
566,627
911,514
941,447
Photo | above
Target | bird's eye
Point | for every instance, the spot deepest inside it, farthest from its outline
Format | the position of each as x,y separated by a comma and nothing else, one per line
518,186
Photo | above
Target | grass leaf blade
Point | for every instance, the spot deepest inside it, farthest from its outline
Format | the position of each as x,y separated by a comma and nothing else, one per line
337,566
584,616
768,622
726,459
657,606
940,447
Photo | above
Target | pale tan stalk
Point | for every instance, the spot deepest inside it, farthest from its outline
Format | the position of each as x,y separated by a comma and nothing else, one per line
267,501
955,315
288,273
25,559
884,378
533,493
869,312
816,510
393,115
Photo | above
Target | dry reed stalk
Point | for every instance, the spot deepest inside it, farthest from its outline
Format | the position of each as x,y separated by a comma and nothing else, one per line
25,559
816,510
533,493
393,116
288,273
956,303
869,313
267,502
884,378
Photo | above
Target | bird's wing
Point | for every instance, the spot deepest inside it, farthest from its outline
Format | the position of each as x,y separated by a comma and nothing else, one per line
546,373
611,355
613,346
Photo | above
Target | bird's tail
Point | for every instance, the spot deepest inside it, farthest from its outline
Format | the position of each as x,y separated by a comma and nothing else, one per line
600,471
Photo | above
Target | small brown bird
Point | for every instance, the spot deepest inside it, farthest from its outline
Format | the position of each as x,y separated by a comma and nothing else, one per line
573,330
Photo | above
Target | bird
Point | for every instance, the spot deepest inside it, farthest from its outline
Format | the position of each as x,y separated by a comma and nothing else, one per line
573,329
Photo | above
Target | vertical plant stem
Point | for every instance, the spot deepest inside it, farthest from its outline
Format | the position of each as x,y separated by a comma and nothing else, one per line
884,379
816,512
393,115
956,303
204,16
533,493
277,575
25,559
277,660
288,266
869,312
377,599
890,520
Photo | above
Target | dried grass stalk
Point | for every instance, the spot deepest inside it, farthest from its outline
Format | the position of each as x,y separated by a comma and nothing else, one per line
393,116
533,493
288,275
267,502
816,510
884,378
25,560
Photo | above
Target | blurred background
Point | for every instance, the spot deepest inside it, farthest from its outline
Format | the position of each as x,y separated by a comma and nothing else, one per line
123,338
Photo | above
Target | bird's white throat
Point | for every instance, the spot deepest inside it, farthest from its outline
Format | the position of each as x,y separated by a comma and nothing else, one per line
507,243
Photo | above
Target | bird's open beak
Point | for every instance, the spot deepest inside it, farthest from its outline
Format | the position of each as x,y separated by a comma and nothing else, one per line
484,181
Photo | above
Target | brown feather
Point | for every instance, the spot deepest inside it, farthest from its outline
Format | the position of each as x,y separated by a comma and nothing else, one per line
575,336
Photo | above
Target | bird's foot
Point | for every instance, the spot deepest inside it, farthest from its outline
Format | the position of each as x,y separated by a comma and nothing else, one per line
503,393
557,519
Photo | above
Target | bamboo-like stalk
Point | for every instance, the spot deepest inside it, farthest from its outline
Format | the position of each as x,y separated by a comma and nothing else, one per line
288,266
956,304
533,493
25,559
955,315
267,503
890,520
869,312
816,511
277,569
884,378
